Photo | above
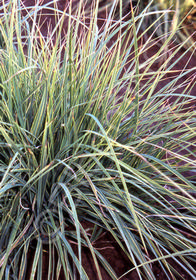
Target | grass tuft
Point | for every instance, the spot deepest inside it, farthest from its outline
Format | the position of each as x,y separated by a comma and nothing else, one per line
87,135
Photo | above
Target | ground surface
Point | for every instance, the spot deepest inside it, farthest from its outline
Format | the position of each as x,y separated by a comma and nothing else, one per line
114,256
105,244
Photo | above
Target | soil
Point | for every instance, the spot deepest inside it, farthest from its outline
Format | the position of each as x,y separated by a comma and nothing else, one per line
112,253
106,245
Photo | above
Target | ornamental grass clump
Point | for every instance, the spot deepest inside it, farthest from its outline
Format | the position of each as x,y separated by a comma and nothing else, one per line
86,137
173,13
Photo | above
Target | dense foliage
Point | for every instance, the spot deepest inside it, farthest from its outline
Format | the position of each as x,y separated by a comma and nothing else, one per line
87,135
